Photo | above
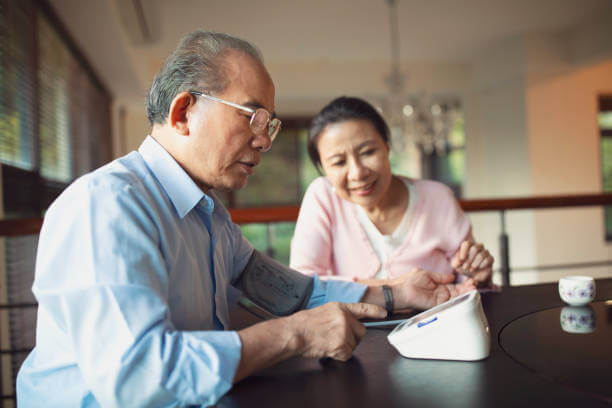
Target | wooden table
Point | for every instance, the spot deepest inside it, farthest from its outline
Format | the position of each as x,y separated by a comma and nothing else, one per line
523,321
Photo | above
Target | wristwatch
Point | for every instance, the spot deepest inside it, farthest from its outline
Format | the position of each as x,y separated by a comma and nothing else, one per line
388,298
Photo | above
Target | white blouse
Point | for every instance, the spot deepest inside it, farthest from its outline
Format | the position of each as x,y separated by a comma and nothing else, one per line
385,245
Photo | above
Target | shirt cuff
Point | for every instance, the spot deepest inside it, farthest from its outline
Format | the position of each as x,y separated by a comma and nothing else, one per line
221,350
335,291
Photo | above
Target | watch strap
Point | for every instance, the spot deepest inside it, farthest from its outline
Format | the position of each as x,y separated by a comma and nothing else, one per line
388,295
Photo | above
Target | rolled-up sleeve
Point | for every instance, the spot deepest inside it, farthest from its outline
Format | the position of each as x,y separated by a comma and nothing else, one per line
335,291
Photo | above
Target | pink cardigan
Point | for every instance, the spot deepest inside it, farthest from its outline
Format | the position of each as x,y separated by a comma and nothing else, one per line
329,237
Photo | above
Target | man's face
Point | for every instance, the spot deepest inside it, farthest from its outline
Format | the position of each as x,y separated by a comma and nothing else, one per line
223,151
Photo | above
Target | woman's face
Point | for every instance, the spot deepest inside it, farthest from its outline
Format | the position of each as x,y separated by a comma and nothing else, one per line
355,159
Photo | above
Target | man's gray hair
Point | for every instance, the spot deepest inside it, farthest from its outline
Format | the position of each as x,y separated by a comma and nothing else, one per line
195,64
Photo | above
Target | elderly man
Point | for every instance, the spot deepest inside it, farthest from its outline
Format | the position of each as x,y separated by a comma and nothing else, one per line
138,260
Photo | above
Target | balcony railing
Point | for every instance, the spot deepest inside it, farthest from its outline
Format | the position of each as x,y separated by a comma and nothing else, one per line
268,215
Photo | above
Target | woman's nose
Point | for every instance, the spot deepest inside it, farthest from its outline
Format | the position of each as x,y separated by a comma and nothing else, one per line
357,171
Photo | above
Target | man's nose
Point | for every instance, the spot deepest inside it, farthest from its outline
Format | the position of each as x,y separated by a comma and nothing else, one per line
261,141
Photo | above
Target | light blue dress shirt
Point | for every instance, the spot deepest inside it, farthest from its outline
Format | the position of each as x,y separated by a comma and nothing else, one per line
133,278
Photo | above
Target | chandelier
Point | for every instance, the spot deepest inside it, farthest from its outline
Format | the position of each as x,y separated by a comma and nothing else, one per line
422,120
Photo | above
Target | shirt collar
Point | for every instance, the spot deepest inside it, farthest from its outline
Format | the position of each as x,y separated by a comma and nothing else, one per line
181,189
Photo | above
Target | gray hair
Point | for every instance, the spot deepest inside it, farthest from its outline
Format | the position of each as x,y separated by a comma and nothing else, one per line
194,64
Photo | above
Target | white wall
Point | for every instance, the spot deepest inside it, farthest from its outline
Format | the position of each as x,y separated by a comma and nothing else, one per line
564,143
497,150
130,126
532,130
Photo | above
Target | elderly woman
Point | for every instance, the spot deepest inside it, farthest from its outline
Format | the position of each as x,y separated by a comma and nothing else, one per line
361,222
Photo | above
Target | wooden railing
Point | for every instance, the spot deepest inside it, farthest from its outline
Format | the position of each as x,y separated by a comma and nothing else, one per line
501,205
289,213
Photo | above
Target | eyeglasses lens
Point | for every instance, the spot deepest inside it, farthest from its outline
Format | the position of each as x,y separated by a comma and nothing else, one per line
259,120
273,128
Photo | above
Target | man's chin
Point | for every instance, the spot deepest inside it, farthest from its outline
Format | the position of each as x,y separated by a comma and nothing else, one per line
232,185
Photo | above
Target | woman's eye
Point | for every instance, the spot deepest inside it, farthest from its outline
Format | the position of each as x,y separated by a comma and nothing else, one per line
338,163
368,152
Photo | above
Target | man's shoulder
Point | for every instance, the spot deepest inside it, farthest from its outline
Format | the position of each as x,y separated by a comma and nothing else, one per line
123,175
127,172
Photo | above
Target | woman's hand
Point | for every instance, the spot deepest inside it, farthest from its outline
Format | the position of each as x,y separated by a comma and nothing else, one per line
423,289
474,261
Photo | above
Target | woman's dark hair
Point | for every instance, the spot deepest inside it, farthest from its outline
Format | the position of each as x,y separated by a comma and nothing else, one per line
340,110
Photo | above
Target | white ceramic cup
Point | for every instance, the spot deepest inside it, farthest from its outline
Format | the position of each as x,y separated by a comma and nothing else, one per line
577,290
577,319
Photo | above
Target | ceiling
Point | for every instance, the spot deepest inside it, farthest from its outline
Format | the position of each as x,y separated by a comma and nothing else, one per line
444,31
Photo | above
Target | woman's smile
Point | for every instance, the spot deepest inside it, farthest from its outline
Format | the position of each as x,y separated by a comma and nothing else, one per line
363,190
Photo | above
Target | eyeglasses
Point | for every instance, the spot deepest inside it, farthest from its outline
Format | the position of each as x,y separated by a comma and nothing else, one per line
260,118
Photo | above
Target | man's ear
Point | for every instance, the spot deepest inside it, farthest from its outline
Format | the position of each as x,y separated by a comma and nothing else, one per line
177,116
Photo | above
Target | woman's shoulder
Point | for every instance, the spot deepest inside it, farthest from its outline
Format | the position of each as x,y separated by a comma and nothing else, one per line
432,187
320,194
319,187
434,195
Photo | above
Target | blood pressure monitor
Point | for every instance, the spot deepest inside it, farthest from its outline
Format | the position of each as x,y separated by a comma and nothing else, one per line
454,330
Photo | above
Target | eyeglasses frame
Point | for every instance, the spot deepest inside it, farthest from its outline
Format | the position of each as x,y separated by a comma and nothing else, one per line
245,109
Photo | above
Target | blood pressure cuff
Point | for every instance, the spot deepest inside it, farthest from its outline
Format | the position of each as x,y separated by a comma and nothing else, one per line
273,286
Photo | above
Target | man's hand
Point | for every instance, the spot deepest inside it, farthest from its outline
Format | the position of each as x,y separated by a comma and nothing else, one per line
474,261
332,330
422,289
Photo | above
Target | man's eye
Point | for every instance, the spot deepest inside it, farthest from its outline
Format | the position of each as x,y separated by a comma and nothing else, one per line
368,152
338,163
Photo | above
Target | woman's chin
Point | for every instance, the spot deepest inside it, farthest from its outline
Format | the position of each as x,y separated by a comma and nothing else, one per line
364,200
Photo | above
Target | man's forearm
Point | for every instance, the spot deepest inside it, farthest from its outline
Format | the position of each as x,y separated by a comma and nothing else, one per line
266,344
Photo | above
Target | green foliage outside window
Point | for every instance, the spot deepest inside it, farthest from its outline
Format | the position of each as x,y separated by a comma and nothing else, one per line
281,178
451,166
9,137
605,120
605,124
308,172
279,235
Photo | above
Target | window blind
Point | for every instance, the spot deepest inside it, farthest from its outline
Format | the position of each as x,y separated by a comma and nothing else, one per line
54,112
17,83
54,69
20,257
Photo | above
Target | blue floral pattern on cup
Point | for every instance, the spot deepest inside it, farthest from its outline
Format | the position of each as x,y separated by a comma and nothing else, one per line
576,319
577,290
